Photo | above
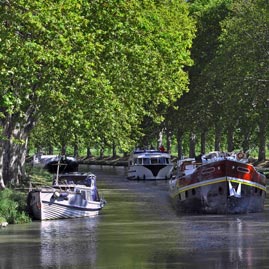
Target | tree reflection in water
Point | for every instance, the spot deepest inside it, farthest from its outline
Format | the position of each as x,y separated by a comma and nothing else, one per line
138,229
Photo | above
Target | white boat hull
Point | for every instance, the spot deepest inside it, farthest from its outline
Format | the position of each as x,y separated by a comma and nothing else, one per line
150,172
150,165
45,206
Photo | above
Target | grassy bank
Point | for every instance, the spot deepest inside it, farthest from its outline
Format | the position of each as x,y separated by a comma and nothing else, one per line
13,207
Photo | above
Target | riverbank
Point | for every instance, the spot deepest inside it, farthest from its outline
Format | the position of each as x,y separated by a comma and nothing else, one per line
114,161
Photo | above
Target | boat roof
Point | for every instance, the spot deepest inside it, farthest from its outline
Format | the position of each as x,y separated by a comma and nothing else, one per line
216,156
74,179
150,153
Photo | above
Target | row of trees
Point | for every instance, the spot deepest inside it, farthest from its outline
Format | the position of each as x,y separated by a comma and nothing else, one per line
227,105
116,73
86,72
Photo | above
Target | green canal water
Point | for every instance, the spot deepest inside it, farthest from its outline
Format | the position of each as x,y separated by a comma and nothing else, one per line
138,229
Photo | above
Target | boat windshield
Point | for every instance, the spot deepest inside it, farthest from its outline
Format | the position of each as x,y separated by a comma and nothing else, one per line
93,195
156,160
150,160
164,160
146,161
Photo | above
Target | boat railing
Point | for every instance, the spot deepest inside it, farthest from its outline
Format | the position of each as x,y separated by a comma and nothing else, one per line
137,151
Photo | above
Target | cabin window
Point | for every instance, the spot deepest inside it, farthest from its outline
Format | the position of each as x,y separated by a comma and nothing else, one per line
208,170
163,160
91,195
89,198
83,194
154,160
146,161
243,170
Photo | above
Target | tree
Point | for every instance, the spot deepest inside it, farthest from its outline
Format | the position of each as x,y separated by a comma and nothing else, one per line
39,51
87,69
241,67
200,107
228,82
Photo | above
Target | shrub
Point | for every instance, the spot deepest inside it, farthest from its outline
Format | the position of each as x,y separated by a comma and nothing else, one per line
12,207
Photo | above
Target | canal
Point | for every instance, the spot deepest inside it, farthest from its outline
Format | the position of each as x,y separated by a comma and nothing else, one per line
138,229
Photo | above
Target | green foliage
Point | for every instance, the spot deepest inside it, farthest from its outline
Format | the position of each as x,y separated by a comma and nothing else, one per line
38,175
238,75
130,59
193,112
229,78
103,73
13,206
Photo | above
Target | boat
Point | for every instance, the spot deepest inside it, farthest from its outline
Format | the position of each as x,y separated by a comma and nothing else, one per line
71,195
40,159
218,183
66,164
149,165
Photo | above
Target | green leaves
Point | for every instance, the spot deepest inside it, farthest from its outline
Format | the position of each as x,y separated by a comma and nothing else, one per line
93,68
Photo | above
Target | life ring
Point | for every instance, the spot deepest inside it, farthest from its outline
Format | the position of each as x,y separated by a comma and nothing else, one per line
240,155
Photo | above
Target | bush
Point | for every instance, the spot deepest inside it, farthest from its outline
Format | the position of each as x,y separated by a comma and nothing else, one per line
38,175
13,206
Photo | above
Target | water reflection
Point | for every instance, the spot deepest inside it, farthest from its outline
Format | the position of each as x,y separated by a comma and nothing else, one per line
217,242
138,229
69,243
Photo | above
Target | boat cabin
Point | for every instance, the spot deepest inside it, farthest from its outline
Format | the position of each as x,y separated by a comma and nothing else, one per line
186,166
149,157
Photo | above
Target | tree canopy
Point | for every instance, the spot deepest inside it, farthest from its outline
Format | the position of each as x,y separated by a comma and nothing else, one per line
116,73
88,70
227,102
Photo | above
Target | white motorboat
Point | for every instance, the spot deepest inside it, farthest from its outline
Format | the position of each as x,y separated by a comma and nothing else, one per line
150,165
72,195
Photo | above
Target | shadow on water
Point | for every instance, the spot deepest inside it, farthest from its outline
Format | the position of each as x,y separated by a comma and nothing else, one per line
138,229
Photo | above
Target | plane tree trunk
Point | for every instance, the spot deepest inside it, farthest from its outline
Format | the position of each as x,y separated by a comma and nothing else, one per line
230,139
179,144
203,142
192,144
262,138
2,183
13,147
13,157
218,133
